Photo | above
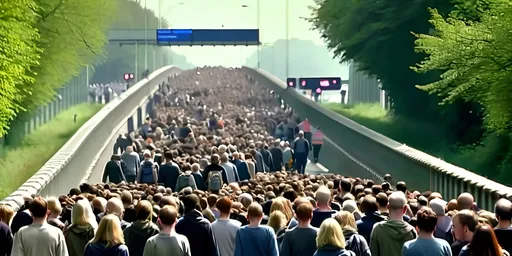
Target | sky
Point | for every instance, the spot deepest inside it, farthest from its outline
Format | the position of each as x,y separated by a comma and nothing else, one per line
218,14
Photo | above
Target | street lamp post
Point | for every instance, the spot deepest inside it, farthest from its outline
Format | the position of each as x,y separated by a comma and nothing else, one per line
258,23
287,12
145,36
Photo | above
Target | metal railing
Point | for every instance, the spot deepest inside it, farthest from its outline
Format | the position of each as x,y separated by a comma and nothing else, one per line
373,154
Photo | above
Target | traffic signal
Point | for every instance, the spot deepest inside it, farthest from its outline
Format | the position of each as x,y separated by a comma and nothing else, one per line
291,82
128,76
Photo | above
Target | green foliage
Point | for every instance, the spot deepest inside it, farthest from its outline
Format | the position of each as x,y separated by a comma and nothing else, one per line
376,35
121,59
476,60
472,10
38,147
18,55
72,35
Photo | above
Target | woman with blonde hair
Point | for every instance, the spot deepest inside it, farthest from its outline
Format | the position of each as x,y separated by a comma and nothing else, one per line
330,240
109,239
55,209
353,241
277,221
282,204
6,214
81,230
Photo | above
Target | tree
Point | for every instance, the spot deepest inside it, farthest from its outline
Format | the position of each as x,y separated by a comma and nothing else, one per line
476,61
18,55
121,59
72,35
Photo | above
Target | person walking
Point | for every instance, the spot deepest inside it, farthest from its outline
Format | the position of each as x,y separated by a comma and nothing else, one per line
301,150
317,141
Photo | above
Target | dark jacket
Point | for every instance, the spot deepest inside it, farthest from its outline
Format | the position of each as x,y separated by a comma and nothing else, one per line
21,219
356,243
199,234
114,172
243,169
267,160
200,181
168,175
365,224
277,158
100,249
212,167
136,235
77,237
6,239
260,165
333,251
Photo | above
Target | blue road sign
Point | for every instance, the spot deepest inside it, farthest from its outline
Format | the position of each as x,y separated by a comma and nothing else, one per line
207,36
322,83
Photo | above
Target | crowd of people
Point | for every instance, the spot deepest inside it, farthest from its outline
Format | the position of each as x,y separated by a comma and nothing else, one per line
218,168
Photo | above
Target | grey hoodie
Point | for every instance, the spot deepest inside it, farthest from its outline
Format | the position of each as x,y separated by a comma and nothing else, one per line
389,236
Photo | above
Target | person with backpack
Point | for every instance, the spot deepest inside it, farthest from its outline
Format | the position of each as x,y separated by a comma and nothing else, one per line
186,179
214,174
148,170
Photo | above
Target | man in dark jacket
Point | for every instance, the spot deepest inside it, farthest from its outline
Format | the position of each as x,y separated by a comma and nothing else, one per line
277,157
114,170
267,158
241,167
141,230
169,172
197,229
214,166
369,207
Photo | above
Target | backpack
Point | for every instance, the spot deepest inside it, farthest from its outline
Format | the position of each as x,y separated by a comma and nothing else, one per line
185,180
146,175
215,180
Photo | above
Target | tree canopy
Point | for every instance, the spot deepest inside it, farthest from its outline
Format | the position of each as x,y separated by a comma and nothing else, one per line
121,59
476,61
19,54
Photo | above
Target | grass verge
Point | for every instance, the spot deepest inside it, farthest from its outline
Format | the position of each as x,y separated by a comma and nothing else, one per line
483,159
20,163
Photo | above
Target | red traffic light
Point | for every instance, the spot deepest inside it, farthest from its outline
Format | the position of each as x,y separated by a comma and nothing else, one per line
128,76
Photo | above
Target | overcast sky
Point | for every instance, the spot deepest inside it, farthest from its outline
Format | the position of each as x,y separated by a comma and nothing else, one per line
213,14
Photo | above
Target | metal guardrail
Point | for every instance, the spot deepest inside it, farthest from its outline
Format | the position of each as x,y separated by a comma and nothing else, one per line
67,167
369,153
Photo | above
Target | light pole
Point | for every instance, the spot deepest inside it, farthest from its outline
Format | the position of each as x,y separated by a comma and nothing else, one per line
258,21
287,45
145,36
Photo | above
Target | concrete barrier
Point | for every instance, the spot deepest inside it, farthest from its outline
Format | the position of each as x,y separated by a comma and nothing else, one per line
67,168
366,153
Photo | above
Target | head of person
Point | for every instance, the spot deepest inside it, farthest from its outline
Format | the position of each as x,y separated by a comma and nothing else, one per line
438,206
330,234
144,211
191,202
484,241
301,134
304,212
109,232
54,207
115,207
6,213
426,220
277,221
236,155
224,157
369,204
215,159
323,196
224,205
255,213
346,220
397,203
465,201
167,217
39,208
169,156
503,210
245,199
129,149
147,154
464,225
82,215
